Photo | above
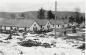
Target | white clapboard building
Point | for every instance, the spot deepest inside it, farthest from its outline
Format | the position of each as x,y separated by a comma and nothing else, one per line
30,24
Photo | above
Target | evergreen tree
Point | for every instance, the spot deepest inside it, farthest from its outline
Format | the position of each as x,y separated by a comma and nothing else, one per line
71,19
50,15
76,19
80,20
22,15
41,14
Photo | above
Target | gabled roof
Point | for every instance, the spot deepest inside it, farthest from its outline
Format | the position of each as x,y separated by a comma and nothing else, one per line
42,21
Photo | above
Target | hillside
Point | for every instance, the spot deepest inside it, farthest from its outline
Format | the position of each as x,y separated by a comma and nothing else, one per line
33,14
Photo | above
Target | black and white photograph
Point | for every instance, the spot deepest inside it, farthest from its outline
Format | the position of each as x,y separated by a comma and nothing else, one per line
42,27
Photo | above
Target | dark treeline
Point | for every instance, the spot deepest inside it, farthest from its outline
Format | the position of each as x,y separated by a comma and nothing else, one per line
50,15
41,14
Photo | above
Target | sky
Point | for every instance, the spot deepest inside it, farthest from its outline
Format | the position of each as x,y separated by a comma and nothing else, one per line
34,5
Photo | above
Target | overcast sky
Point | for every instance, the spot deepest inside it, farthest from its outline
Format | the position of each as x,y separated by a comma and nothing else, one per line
32,5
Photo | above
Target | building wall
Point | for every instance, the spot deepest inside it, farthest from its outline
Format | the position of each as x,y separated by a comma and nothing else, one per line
33,26
65,25
42,27
13,27
0,27
8,28
3,28
27,28
46,26
21,28
57,26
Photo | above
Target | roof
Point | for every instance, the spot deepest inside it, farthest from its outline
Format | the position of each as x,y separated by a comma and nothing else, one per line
19,23
58,22
42,21
8,22
27,22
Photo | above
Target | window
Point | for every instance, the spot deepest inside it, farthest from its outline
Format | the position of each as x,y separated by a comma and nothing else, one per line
41,26
53,25
48,26
34,28
58,25
34,24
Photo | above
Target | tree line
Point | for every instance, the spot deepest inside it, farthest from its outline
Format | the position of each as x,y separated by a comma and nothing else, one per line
41,14
50,15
